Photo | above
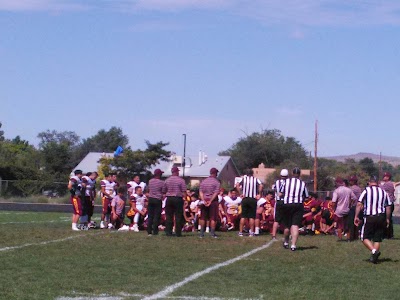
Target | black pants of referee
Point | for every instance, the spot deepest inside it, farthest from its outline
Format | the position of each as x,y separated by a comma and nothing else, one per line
174,207
154,214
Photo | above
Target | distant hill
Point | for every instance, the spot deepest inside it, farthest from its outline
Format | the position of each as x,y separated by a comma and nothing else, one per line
393,160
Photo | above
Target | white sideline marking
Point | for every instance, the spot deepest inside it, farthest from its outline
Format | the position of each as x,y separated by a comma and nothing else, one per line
47,242
13,213
171,288
123,296
33,222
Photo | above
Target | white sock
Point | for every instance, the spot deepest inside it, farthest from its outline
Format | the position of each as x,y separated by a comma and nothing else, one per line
207,229
257,230
73,225
373,251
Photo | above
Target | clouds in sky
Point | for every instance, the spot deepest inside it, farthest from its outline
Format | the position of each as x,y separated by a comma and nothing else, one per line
43,5
289,12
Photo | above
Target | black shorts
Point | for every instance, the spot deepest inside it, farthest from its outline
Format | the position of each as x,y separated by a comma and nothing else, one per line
374,228
277,211
249,208
292,214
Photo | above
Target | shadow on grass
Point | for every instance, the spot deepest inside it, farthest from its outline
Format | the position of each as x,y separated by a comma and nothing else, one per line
387,260
306,248
383,260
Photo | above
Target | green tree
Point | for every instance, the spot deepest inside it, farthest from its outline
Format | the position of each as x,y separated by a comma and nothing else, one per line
1,133
20,162
136,162
268,147
102,141
57,152
368,166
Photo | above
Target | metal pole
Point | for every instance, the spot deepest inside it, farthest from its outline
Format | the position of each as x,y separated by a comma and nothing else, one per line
316,158
184,153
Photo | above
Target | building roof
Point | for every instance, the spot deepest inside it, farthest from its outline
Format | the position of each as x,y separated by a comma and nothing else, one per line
194,166
90,163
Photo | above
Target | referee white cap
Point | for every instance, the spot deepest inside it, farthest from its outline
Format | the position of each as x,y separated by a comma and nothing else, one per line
284,173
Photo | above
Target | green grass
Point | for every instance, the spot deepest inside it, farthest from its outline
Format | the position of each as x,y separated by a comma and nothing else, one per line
100,262
37,199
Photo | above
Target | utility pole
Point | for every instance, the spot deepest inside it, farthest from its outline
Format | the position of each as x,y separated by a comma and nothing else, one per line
315,157
184,154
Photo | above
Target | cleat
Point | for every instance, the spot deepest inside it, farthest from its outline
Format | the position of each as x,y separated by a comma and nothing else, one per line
124,228
240,234
214,236
293,248
286,245
274,238
374,257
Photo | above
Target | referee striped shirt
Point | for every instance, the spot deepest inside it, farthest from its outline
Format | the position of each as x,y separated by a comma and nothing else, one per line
250,186
294,190
374,200
277,188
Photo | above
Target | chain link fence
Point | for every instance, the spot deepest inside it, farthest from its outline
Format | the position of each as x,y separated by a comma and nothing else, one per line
33,190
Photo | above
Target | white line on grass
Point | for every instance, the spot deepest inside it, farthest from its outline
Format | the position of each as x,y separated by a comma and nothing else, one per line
47,242
169,289
123,296
33,222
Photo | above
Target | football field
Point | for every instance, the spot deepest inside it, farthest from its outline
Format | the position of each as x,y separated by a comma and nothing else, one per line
42,258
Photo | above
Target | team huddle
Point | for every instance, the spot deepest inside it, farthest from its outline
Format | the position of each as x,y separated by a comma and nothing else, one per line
287,207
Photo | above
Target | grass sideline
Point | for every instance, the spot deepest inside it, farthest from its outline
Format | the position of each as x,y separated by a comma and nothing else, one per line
128,265
37,199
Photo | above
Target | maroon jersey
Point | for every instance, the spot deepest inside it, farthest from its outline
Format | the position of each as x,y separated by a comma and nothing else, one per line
311,206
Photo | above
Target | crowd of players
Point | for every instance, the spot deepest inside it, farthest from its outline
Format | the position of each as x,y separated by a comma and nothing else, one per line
249,207
328,216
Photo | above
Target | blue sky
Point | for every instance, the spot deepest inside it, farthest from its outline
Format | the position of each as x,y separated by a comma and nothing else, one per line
214,70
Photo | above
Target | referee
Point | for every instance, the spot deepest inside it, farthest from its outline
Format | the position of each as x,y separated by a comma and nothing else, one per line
293,190
250,187
278,202
376,203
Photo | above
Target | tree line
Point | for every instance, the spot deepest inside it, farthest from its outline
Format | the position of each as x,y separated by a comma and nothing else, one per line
36,168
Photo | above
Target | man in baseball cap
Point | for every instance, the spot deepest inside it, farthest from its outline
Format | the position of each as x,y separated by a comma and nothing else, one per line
175,190
209,190
155,202
388,186
278,204
353,230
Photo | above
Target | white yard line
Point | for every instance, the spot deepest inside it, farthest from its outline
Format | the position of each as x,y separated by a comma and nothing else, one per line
124,296
169,289
33,222
48,242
